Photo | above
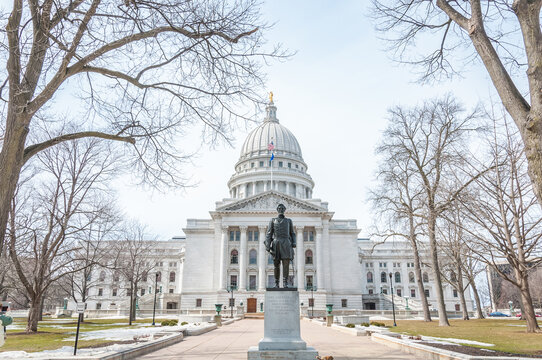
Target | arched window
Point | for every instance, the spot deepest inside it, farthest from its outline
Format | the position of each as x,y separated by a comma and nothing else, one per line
453,277
397,277
411,278
102,275
425,277
369,277
308,257
252,257
159,276
172,276
383,277
234,257
116,276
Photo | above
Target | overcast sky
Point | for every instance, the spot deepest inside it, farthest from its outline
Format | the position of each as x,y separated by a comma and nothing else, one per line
333,95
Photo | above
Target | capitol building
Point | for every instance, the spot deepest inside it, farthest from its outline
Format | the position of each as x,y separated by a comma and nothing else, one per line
226,251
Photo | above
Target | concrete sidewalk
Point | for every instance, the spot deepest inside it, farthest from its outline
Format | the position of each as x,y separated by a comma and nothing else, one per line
231,342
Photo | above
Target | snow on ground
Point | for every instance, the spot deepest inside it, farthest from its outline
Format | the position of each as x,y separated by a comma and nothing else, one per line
62,352
454,341
120,334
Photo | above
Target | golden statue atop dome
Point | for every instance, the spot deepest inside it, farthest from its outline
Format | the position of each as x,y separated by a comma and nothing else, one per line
270,96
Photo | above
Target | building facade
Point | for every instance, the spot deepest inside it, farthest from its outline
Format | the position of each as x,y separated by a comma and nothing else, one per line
226,251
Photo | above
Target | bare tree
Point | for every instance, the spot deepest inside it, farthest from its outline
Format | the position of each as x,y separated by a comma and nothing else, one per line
137,259
92,254
431,139
508,219
397,200
145,70
50,212
506,37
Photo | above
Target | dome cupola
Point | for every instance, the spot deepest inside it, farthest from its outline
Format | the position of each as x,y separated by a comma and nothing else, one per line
255,173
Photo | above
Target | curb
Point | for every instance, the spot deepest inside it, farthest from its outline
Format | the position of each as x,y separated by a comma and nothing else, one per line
429,352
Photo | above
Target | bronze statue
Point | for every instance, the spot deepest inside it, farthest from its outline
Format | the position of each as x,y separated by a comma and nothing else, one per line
280,243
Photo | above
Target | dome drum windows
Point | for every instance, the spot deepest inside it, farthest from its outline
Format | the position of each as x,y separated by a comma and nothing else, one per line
369,277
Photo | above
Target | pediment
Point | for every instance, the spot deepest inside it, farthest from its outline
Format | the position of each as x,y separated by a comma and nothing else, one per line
268,201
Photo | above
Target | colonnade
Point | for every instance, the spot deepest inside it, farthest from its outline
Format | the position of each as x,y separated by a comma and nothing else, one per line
262,264
256,187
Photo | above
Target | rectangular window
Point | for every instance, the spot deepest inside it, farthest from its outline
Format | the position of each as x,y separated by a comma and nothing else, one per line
232,302
252,282
198,302
142,292
455,293
412,293
399,292
98,306
261,163
171,291
280,163
385,291
297,166
251,165
426,291
457,307
308,235
233,281
308,280
100,292
114,292
290,165
311,302
370,291
344,303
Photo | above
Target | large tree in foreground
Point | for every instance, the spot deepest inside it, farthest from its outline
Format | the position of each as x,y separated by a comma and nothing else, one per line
506,37
431,139
144,70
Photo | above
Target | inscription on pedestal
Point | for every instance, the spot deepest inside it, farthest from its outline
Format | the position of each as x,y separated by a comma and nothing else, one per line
282,311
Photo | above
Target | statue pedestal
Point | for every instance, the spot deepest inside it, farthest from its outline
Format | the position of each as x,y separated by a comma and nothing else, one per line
282,338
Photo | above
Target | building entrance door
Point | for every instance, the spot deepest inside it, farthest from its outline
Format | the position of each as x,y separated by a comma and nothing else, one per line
251,305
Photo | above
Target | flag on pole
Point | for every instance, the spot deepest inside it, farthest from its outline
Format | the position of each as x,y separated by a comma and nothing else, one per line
271,147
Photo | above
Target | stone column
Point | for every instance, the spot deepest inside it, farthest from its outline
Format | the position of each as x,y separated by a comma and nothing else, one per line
254,188
243,259
265,186
327,253
287,188
319,259
300,253
223,258
262,259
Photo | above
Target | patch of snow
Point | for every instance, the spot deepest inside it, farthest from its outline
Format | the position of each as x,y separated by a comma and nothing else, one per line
455,341
62,352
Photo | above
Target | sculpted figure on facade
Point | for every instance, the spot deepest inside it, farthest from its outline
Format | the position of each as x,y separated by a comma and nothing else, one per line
280,243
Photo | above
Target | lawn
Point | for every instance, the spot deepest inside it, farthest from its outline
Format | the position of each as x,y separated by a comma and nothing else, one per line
52,332
506,335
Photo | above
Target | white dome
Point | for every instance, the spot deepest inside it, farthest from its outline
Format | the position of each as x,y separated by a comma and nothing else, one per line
257,142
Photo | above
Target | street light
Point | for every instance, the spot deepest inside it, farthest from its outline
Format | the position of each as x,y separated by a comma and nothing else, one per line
231,288
392,299
155,291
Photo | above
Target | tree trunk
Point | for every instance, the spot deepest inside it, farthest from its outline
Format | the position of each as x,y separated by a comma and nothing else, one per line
41,308
461,289
527,302
419,281
442,316
11,162
34,315
479,313
131,303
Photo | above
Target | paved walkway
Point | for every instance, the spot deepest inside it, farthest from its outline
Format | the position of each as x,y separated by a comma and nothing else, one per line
231,342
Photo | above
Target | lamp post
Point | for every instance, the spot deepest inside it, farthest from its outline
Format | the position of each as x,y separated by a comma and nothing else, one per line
392,299
155,292
231,288
312,301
